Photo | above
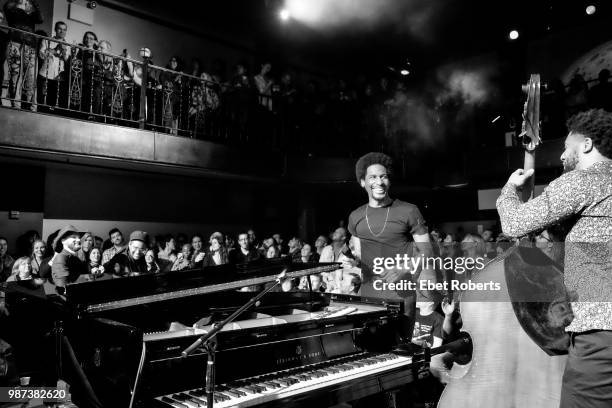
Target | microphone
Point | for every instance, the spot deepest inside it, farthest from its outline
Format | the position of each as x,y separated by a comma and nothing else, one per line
281,276
194,345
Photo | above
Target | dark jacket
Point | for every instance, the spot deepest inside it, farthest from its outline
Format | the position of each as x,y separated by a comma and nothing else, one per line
123,264
23,20
66,268
237,257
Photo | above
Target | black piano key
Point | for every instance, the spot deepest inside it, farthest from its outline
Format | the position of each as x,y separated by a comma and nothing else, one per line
198,398
233,393
169,400
222,396
269,384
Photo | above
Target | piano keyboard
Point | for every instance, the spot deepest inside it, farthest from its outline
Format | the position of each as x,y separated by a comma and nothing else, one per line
288,383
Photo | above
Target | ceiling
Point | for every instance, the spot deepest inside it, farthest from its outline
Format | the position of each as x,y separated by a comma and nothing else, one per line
369,34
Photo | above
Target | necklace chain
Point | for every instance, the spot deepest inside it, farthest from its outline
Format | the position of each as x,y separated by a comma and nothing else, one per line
384,225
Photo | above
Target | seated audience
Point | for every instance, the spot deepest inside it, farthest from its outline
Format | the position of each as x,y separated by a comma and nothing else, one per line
94,265
307,255
320,243
118,245
6,261
183,259
22,270
351,283
273,252
198,251
87,244
218,253
295,247
150,260
130,262
244,253
38,255
167,249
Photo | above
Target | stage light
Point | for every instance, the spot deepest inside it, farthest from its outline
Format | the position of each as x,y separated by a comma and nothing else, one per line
284,14
513,35
404,72
591,9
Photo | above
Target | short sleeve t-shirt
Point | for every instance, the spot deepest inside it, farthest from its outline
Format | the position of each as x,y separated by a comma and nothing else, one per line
385,239
428,327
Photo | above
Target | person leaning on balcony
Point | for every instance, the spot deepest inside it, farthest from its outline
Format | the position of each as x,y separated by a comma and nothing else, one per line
3,44
54,53
21,51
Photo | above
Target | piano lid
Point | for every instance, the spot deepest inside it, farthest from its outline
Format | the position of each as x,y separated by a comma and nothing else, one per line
96,296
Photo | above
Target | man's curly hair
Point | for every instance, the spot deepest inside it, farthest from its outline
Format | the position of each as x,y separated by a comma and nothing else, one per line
595,124
369,159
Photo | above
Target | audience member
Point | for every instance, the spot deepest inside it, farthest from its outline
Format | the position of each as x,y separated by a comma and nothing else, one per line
320,243
218,253
38,255
167,248
198,251
118,245
52,90
87,245
6,261
183,259
94,263
22,270
307,255
4,36
280,242
600,95
152,265
351,283
244,253
130,262
21,51
295,247
273,252
98,242
264,84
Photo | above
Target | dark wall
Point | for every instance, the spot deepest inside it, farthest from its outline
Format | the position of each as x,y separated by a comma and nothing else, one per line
23,187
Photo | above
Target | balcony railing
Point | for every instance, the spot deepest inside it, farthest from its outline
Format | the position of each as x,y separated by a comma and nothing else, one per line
52,76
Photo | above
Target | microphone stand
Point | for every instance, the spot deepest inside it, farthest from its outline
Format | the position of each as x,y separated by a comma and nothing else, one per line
208,343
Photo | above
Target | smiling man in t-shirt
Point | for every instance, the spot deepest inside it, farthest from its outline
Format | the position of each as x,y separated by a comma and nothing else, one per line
384,228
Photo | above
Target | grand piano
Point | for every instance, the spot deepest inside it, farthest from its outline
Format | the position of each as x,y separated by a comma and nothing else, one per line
290,349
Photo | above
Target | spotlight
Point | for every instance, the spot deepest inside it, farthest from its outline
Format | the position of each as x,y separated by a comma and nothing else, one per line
404,72
513,35
591,9
92,4
284,14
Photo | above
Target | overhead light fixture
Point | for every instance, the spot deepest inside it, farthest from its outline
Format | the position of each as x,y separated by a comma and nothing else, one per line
284,14
404,72
92,4
591,9
513,35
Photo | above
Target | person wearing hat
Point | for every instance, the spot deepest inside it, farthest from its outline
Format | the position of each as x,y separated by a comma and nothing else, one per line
67,266
131,262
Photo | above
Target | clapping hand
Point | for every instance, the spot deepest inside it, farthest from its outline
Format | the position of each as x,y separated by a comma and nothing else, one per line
448,308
